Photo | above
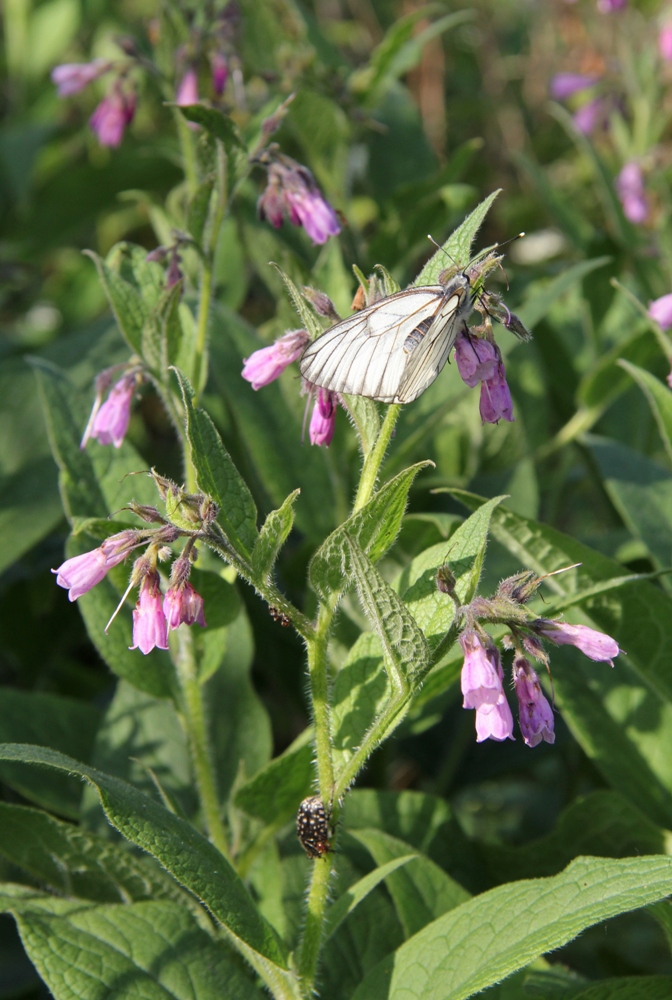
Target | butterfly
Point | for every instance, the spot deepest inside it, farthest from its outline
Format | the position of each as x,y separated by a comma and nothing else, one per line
394,349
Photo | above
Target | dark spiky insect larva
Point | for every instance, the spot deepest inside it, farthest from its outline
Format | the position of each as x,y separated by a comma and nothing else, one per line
312,827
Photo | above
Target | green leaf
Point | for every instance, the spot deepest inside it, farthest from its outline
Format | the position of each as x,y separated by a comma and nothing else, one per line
658,397
197,213
374,528
627,988
457,246
276,792
537,305
365,418
127,298
354,894
360,692
310,321
272,537
162,333
405,647
218,477
215,122
177,845
512,925
608,379
75,863
422,891
143,951
30,508
51,720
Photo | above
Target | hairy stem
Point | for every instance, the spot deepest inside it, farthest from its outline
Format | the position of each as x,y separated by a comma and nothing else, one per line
319,692
309,949
375,458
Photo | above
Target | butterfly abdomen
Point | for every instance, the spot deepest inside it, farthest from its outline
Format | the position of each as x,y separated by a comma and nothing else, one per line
416,335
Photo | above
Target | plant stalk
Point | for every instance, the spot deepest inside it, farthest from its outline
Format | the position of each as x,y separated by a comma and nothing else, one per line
309,950
375,458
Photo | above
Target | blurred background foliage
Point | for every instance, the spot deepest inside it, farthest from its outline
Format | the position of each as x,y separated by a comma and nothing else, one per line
408,116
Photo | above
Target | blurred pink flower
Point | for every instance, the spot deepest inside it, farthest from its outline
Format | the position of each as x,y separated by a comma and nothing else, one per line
150,627
80,573
323,419
630,189
293,192
70,78
590,115
183,605
220,72
660,310
112,115
609,6
563,85
665,42
481,683
535,714
112,419
187,91
592,643
268,363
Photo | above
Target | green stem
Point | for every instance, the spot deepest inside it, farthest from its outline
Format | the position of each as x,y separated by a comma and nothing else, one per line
309,950
195,726
186,137
371,740
375,458
199,373
319,692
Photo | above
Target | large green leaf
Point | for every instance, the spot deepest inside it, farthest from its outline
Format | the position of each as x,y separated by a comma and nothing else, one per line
659,398
354,894
360,691
29,508
177,845
276,792
458,246
510,926
273,536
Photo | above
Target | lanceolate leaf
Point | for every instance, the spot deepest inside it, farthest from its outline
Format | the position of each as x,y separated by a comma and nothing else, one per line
373,528
215,122
218,476
346,903
273,536
659,398
275,793
162,333
132,286
177,845
457,246
310,321
510,926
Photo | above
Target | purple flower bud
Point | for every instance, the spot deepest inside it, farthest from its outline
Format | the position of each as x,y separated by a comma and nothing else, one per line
496,403
158,255
150,627
535,715
323,419
174,272
476,358
590,115
609,6
70,78
112,419
183,605
481,683
592,643
660,310
665,42
220,72
112,115
80,573
630,189
563,85
268,363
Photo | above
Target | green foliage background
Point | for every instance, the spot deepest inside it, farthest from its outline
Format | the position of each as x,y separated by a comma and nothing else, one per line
409,117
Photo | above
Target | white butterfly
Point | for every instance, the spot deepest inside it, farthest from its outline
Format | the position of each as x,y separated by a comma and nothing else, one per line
394,349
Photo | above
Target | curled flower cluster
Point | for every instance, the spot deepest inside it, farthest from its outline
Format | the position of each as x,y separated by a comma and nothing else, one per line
480,360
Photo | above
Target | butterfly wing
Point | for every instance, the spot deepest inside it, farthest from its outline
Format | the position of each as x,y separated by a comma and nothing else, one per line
365,354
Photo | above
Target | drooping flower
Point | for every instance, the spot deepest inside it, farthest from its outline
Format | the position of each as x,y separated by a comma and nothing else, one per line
495,403
80,573
220,72
293,191
268,363
113,114
630,189
665,42
150,627
112,419
71,78
323,418
479,360
594,644
590,115
481,683
563,85
187,91
660,310
535,714
183,605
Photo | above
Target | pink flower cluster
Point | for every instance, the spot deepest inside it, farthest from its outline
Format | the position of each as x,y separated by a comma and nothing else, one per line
117,109
479,360
631,193
293,192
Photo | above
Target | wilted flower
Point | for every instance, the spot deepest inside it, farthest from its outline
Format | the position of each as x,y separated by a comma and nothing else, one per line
111,421
113,114
535,715
80,573
592,643
268,363
220,72
665,42
183,605
323,419
630,189
590,115
481,683
563,85
660,310
150,627
292,191
70,78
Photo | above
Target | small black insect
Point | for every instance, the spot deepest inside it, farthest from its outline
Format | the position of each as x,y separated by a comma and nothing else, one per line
278,616
312,827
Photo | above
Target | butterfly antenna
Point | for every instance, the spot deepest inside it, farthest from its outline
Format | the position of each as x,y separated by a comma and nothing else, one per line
439,247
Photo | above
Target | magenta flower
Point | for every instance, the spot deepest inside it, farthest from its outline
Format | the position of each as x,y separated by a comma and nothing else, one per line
630,189
309,209
481,683
183,605
70,78
665,42
268,363
150,627
592,643
495,403
535,715
112,419
80,573
220,72
187,91
476,358
660,310
563,85
590,115
112,115
323,419
293,192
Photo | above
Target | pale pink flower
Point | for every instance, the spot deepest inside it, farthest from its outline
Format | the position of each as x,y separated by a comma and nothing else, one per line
150,627
323,419
563,85
112,115
665,42
309,209
660,310
535,714
183,605
112,419
293,192
592,643
268,363
630,189
80,573
70,78
481,683
590,115
187,91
